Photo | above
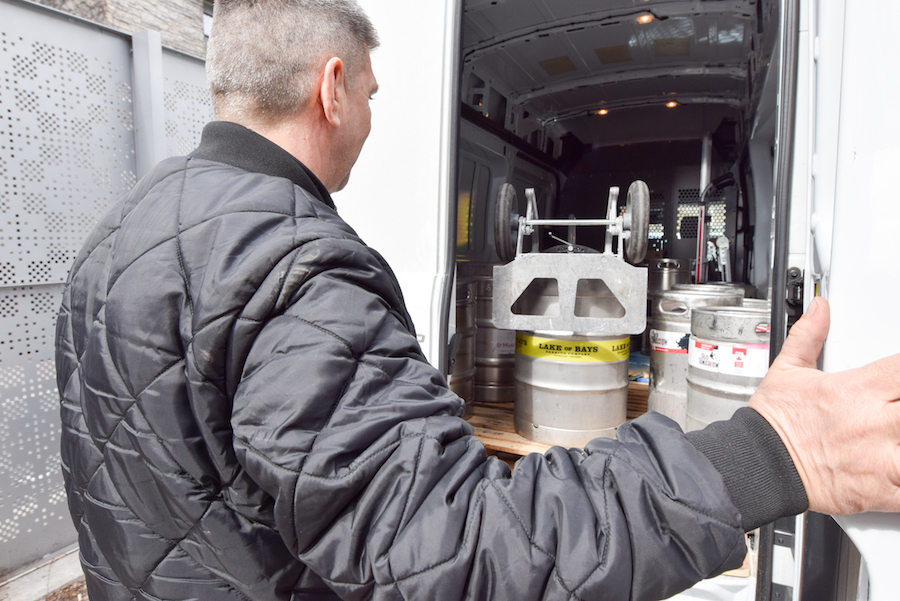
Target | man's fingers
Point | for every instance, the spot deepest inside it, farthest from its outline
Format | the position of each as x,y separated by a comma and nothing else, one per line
804,343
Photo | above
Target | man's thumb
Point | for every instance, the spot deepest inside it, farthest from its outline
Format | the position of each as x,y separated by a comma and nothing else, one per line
804,343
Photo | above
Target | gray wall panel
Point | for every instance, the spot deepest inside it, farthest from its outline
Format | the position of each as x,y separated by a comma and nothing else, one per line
67,152
188,107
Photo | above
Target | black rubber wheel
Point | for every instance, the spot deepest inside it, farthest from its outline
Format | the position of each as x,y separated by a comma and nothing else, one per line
506,223
638,205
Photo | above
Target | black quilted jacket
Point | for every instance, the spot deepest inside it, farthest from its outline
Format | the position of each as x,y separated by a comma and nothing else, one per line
247,415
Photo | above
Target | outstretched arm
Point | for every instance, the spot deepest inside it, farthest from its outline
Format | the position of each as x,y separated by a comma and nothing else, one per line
385,494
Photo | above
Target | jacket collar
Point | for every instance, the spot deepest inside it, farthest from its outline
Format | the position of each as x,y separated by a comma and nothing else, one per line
235,145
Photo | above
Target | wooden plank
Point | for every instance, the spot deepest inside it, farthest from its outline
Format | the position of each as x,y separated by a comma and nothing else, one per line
494,427
509,442
491,418
637,399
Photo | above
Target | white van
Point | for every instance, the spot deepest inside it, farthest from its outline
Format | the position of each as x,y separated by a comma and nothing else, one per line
790,100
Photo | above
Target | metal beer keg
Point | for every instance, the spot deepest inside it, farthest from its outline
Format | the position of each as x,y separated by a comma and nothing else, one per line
727,359
670,332
462,367
757,303
713,286
495,350
570,388
662,274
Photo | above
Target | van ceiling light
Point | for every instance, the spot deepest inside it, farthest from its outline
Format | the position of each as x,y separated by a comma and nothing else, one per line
645,18
672,104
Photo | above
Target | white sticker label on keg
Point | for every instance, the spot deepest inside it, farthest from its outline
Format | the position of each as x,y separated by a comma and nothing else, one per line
504,343
749,360
574,351
669,342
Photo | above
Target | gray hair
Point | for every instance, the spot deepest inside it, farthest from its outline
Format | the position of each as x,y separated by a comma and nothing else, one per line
264,56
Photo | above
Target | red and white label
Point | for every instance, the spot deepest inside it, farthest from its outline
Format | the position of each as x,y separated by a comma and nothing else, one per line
662,341
749,360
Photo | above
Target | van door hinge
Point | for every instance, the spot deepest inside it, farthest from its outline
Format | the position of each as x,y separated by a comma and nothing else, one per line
794,295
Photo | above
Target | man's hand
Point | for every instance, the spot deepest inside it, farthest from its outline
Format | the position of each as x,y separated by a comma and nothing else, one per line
842,430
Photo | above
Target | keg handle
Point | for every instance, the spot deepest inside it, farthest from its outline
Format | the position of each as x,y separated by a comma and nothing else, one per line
672,307
668,264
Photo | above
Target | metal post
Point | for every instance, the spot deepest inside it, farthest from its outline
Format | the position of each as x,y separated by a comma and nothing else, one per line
450,183
784,167
149,102
705,170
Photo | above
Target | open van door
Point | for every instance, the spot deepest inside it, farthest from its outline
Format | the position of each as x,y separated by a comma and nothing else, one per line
854,212
399,198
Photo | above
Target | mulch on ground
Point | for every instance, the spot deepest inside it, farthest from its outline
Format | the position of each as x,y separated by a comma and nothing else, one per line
71,592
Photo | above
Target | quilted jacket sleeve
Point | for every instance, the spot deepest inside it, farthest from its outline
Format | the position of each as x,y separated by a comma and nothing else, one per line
383,492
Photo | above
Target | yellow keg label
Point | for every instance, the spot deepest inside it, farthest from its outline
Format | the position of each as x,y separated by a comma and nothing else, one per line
574,351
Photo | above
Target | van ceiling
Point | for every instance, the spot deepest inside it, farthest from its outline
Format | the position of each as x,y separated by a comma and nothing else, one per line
554,64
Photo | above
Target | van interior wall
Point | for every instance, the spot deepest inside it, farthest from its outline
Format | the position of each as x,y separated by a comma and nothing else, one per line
490,158
671,171
581,187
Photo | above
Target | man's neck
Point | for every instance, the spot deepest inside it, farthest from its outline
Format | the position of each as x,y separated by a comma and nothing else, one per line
234,144
305,138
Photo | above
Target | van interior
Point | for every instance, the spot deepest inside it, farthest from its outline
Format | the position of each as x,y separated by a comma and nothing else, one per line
572,97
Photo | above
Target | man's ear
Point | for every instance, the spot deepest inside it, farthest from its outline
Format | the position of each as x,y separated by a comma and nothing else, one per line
333,91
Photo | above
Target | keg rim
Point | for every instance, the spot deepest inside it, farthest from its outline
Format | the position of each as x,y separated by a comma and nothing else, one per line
569,334
712,287
695,292
758,302
737,311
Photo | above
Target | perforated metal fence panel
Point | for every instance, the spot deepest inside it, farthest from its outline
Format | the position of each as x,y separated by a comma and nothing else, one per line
188,107
67,151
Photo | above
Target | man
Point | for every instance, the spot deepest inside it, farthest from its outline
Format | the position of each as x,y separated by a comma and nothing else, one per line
247,414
